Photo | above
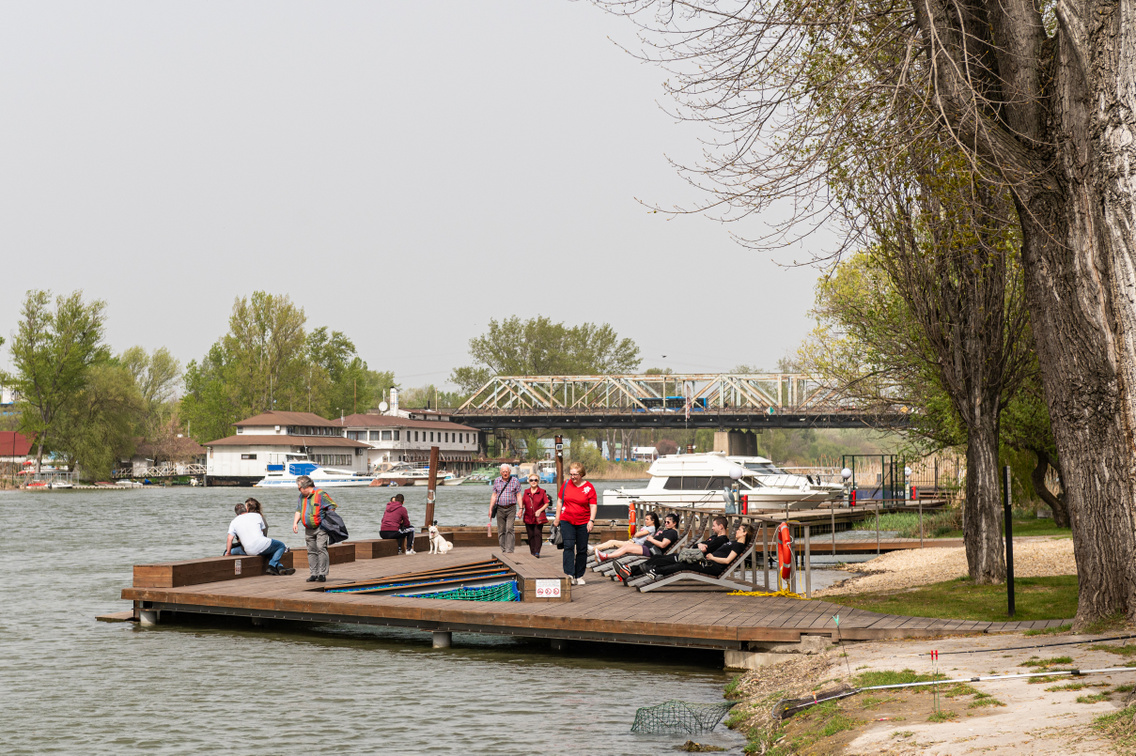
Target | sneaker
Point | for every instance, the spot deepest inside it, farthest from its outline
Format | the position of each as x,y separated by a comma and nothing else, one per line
601,557
572,580
312,579
285,570
623,571
652,574
580,581
321,578
412,551
591,549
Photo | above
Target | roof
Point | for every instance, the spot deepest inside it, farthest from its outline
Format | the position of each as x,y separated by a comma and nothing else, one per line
181,447
14,444
272,417
390,421
255,439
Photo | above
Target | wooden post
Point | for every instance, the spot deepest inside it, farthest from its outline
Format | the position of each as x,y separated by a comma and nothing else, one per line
764,553
431,486
808,566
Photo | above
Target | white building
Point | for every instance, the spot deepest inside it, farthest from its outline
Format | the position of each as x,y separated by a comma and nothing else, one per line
272,438
408,435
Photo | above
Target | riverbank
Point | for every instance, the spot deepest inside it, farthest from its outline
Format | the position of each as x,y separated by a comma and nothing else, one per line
1041,715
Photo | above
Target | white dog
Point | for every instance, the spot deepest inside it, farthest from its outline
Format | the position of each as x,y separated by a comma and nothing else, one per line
438,544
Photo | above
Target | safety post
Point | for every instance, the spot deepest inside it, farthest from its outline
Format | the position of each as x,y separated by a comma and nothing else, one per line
808,566
1008,515
431,486
764,553
559,441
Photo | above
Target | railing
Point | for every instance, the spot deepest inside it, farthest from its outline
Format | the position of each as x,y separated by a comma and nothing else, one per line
164,470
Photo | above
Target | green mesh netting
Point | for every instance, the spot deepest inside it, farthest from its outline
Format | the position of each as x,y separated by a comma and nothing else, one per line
679,716
500,592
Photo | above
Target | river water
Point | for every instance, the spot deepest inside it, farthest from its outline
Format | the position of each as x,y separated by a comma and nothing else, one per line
70,684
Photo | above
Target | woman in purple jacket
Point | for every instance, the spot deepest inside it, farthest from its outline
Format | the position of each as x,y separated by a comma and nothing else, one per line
396,524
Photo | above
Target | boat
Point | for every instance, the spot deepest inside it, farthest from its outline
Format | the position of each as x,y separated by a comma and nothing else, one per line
406,474
284,476
702,480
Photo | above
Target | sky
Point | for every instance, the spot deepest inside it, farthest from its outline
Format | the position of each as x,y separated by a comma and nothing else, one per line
405,172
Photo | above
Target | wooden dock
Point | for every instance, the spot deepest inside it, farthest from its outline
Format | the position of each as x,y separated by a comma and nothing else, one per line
695,616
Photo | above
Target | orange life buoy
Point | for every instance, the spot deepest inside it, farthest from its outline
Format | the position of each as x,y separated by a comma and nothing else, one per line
631,519
784,539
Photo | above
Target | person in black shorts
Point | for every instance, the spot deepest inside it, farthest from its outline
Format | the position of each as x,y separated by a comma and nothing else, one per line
716,562
717,540
654,545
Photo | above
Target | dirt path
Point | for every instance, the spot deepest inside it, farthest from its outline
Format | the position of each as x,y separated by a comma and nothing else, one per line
1005,716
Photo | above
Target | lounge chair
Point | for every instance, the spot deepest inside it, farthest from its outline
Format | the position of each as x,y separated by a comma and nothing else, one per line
725,580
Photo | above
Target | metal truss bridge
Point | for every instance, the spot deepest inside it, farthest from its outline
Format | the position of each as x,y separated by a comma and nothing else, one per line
719,401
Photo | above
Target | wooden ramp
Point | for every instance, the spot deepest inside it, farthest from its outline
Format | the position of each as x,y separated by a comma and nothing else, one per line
680,616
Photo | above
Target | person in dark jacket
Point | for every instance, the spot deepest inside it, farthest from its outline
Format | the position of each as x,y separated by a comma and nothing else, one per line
396,524
535,502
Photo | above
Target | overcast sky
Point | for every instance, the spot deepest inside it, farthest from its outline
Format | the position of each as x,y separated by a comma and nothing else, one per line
405,171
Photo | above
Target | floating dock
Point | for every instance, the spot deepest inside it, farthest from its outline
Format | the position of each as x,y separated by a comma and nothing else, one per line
686,616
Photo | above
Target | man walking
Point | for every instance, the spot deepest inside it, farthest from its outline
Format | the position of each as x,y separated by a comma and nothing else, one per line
247,531
313,503
506,494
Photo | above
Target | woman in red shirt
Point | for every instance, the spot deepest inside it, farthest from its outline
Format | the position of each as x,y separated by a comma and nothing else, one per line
535,503
575,514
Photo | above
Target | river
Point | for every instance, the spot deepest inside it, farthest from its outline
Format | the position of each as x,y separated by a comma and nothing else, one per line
70,684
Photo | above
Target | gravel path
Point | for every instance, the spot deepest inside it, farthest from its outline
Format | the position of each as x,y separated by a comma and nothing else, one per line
907,569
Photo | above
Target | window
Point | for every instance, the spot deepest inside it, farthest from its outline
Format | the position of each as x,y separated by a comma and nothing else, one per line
357,435
332,459
447,438
386,435
431,436
248,456
374,435
396,435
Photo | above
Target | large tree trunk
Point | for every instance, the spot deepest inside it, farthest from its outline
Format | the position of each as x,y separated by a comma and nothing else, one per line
982,531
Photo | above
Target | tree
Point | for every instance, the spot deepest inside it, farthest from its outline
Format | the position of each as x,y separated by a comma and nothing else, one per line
98,428
1036,97
540,347
156,376
53,352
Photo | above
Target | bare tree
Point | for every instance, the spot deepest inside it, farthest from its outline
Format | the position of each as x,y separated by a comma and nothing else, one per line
1041,105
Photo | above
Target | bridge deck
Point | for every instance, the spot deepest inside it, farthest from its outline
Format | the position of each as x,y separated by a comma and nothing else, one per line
602,610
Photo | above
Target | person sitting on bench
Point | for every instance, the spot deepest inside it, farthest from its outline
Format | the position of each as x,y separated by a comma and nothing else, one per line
653,545
396,524
639,537
717,540
715,563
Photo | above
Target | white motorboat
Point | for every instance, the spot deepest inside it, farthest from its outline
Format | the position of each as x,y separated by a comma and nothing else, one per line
406,474
701,480
281,476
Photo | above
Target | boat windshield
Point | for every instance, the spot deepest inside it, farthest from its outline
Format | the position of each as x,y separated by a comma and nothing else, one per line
765,468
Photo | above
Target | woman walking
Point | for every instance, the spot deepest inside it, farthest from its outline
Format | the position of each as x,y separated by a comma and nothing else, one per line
535,502
575,514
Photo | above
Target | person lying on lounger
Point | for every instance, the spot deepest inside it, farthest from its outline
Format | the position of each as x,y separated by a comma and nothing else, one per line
653,545
713,563
715,541
639,537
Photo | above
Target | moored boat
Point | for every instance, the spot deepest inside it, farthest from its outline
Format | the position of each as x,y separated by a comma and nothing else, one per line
284,476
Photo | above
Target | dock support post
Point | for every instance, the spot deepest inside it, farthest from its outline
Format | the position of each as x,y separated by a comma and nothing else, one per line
148,617
443,639
559,644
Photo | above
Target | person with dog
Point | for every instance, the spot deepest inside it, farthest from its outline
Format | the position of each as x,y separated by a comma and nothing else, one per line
535,502
713,563
653,545
503,506
576,515
716,540
396,524
313,503
250,529
639,537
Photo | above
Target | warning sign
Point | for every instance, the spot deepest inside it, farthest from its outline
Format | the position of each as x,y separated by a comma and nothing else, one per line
548,589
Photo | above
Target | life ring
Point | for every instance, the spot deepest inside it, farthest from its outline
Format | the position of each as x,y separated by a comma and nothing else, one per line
784,539
631,519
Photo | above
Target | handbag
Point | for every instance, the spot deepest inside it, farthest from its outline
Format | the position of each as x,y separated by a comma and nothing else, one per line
691,556
555,538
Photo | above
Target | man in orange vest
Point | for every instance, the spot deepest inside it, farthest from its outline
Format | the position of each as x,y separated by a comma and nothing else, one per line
313,503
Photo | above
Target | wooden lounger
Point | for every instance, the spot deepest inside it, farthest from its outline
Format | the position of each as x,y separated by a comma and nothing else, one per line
725,580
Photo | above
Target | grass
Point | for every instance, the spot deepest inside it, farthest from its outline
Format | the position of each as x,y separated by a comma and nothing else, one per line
891,677
942,716
1092,698
1026,526
1067,686
984,699
1117,727
1053,661
732,686
1118,650
1039,598
1048,630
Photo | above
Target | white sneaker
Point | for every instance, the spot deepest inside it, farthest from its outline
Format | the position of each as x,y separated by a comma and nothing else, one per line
580,581
573,580
412,551
591,549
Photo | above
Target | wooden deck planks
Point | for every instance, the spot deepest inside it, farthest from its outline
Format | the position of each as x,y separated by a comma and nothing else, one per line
689,615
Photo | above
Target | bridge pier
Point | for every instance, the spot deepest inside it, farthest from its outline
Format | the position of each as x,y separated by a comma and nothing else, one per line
736,443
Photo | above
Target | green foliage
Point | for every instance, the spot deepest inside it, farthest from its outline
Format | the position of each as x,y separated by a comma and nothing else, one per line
267,361
1049,630
1046,663
53,352
156,377
1117,727
540,347
874,678
98,428
430,397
